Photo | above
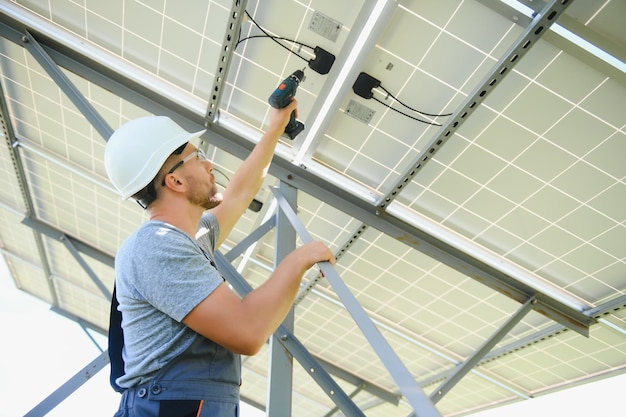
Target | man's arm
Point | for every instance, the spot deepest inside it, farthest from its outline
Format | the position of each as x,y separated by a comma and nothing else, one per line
243,325
248,178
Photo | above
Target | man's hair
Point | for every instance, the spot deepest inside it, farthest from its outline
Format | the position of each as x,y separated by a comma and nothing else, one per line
148,194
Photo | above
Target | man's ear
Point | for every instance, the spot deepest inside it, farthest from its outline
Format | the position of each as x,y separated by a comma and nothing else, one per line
175,183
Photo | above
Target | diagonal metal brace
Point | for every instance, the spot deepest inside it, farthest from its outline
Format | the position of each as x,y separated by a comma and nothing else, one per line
253,237
407,384
48,64
69,387
467,366
81,261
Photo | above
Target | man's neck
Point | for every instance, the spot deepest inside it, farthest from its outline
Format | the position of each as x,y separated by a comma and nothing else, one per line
186,217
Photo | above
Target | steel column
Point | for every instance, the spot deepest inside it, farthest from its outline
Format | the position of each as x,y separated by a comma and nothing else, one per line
406,383
280,371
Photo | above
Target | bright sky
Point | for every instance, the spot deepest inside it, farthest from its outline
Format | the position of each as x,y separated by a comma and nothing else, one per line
41,350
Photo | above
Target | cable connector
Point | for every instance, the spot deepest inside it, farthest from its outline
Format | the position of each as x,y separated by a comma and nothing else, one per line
255,205
322,62
364,85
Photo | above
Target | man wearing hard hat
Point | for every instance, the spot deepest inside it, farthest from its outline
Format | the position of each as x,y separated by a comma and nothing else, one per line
182,327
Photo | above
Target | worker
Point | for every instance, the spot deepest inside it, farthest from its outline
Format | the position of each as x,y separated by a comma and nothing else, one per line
183,328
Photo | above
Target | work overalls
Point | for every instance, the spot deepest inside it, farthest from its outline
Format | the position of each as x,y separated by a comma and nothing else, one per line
203,381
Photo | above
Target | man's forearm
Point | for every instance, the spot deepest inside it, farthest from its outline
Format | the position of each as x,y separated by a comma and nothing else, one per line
249,177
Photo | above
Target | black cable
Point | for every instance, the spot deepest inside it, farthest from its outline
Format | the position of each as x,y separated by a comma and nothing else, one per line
255,205
410,108
222,174
404,114
272,37
275,39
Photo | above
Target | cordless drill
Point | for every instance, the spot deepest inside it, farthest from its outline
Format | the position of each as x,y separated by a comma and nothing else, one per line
281,97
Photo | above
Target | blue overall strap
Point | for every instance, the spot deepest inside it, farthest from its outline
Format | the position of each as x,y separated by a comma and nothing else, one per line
116,343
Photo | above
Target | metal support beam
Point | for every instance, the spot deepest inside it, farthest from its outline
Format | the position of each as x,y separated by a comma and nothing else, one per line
280,372
406,382
85,328
237,12
70,386
72,249
7,131
59,235
76,247
372,20
472,361
253,237
90,113
535,30
67,165
293,345
338,255
383,394
598,312
572,36
353,394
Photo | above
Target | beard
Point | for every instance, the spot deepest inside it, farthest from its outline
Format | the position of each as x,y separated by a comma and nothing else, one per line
203,194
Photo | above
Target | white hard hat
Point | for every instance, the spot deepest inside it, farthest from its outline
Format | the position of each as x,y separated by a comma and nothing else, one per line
138,149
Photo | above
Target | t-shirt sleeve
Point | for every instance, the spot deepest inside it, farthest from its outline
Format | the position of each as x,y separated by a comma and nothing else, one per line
172,273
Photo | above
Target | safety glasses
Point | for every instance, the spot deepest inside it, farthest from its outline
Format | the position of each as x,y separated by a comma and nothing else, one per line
199,154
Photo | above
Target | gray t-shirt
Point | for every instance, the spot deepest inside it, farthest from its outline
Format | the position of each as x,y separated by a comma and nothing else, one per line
161,275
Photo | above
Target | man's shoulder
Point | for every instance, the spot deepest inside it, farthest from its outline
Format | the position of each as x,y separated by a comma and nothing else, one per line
151,235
